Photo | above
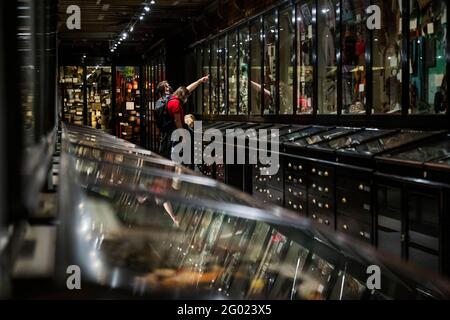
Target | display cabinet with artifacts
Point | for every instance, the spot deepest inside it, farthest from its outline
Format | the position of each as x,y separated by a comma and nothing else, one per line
387,60
128,110
270,63
287,60
327,56
99,95
244,58
305,50
223,76
428,62
353,56
233,75
71,80
214,79
255,68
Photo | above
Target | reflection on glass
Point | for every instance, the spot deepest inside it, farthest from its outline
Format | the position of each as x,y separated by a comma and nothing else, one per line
255,72
354,40
206,70
387,59
128,106
327,64
270,63
305,50
316,279
215,81
287,61
71,80
232,72
347,288
99,86
199,91
244,43
427,42
26,58
222,54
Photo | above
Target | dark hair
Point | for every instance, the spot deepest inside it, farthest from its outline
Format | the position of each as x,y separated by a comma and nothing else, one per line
182,93
161,88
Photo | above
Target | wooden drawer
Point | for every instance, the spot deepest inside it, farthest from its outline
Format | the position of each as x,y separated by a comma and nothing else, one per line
354,205
355,228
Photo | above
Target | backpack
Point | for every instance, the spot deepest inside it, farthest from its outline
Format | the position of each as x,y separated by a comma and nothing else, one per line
164,120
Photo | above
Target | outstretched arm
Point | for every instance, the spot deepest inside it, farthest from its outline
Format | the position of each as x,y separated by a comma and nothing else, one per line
195,84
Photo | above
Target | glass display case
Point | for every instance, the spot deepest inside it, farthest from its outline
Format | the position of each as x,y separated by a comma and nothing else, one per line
128,103
233,75
327,33
256,81
199,70
387,59
305,56
223,75
71,79
287,60
244,62
99,97
207,70
354,41
352,139
215,80
270,38
322,136
150,231
427,60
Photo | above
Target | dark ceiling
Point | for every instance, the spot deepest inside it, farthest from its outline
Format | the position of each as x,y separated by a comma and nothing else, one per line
181,22
103,20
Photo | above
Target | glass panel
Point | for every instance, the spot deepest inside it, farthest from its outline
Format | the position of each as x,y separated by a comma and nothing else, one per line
199,71
206,70
26,55
215,81
305,50
128,103
387,59
99,86
232,72
270,63
427,41
327,64
71,79
287,61
222,54
354,40
255,73
244,39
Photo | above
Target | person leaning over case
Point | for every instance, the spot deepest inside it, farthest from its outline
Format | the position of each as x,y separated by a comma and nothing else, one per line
164,91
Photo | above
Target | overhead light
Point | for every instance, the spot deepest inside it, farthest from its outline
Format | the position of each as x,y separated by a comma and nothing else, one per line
152,2
147,8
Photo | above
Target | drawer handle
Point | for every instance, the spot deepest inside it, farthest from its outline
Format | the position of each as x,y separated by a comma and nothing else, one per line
361,187
270,196
290,202
344,200
314,201
320,205
313,170
314,186
290,177
326,189
279,199
278,179
345,227
314,216
300,181
290,190
295,206
300,207
290,165
327,206
300,168
327,222
326,174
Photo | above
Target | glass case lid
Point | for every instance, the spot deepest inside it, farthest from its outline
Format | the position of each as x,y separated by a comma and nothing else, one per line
352,139
389,142
428,152
156,232
323,136
290,139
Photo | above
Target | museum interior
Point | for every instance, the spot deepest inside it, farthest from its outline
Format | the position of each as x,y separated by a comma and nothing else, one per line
347,98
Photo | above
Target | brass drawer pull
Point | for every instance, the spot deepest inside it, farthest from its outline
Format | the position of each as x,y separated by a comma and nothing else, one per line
345,227
344,200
